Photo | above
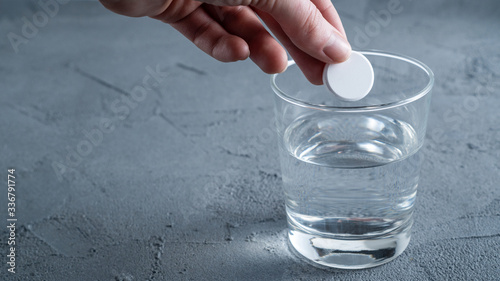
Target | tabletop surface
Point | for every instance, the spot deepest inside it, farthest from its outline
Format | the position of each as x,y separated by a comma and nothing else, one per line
118,180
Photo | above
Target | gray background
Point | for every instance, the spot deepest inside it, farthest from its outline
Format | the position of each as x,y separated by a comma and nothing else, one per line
187,186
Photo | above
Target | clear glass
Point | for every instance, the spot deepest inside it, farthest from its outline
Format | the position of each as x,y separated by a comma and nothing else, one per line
350,169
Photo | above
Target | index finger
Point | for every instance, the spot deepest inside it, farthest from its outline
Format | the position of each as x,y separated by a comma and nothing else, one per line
308,29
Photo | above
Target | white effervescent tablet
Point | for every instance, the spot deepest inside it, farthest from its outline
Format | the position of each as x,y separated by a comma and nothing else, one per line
351,80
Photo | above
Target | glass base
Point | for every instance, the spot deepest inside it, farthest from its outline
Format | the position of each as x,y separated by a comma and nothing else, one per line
348,254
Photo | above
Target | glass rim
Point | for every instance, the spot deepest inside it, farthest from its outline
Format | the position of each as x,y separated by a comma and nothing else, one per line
375,107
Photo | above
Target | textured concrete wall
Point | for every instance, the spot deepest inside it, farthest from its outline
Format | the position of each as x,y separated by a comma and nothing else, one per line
182,182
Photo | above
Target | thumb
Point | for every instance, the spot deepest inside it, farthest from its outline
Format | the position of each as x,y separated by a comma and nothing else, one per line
305,25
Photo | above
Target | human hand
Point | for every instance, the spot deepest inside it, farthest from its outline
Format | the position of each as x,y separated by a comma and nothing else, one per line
229,30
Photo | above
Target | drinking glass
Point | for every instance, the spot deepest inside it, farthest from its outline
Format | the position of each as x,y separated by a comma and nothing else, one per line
350,169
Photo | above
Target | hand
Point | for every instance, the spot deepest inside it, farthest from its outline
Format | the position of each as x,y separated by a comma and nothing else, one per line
229,30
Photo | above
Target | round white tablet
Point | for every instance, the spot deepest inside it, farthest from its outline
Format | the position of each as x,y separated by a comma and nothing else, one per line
351,80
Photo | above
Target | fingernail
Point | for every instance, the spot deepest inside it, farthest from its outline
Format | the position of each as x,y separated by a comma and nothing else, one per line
337,49
284,69
285,58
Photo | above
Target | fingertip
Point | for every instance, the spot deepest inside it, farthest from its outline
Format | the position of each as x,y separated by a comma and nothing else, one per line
347,52
230,49
337,49
277,64
284,62
268,54
313,71
315,80
242,52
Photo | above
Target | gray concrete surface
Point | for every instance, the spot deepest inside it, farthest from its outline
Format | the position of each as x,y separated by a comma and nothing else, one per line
185,184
